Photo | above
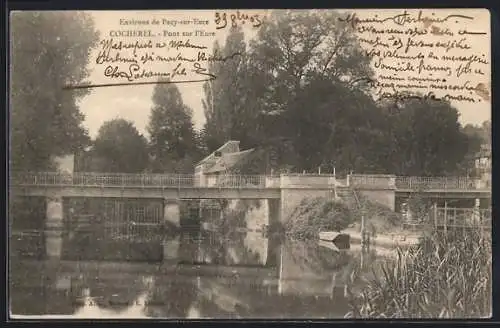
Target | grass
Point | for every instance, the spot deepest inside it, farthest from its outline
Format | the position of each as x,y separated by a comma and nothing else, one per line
448,275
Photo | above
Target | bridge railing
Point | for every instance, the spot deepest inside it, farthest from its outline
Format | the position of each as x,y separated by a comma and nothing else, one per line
135,180
444,183
372,180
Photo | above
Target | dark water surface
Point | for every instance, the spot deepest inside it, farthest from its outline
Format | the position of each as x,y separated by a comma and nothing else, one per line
191,275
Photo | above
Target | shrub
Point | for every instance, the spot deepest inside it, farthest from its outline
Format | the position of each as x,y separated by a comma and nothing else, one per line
378,218
317,214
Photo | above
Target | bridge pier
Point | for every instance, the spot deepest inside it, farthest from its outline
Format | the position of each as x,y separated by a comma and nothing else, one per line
171,248
378,188
274,214
54,227
171,213
476,213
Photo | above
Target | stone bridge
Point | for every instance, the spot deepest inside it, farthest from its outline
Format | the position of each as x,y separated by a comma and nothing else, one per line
281,194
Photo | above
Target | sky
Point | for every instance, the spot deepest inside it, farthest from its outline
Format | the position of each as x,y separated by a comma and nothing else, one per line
134,102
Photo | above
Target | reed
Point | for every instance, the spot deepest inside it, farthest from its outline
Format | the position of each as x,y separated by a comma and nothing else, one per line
448,275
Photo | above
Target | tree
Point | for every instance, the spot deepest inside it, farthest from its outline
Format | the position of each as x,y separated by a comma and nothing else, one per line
227,102
427,139
48,51
291,52
332,125
119,147
294,47
173,140
481,132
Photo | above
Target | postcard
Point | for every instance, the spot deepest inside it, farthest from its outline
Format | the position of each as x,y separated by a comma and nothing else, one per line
242,164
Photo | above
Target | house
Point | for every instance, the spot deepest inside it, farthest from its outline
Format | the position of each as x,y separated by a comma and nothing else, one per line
482,164
219,163
84,161
65,164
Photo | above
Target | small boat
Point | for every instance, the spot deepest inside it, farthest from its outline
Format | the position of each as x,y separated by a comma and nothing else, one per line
340,240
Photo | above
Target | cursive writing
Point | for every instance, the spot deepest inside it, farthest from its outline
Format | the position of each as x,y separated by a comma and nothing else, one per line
184,44
423,51
236,19
401,19
111,44
135,72
401,97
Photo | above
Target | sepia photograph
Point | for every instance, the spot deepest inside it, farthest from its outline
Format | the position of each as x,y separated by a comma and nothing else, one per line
250,164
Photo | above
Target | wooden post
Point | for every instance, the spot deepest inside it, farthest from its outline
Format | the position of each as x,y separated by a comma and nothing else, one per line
363,234
435,216
445,215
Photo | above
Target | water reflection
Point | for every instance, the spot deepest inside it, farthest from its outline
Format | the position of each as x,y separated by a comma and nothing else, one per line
202,275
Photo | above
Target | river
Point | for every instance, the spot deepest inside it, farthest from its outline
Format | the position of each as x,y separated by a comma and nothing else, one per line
200,274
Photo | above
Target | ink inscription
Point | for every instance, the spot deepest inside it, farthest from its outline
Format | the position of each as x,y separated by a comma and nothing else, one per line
425,54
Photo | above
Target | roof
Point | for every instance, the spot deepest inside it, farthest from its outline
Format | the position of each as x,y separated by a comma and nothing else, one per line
485,152
227,161
232,146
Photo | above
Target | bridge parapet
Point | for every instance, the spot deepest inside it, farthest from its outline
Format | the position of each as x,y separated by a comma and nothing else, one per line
372,181
310,181
137,180
442,183
273,181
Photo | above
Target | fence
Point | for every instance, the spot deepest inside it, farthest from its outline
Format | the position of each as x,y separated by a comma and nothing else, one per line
135,180
375,181
450,217
237,181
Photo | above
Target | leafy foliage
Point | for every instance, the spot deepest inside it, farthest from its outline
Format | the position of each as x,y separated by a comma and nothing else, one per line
120,148
173,142
48,51
427,139
378,218
317,214
228,104
297,95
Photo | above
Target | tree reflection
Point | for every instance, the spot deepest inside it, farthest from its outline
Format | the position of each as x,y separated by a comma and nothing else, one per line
37,288
172,297
111,288
237,248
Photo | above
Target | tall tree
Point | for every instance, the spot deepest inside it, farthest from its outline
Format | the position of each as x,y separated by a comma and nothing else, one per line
482,132
119,147
227,104
332,125
48,51
428,139
173,140
294,47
